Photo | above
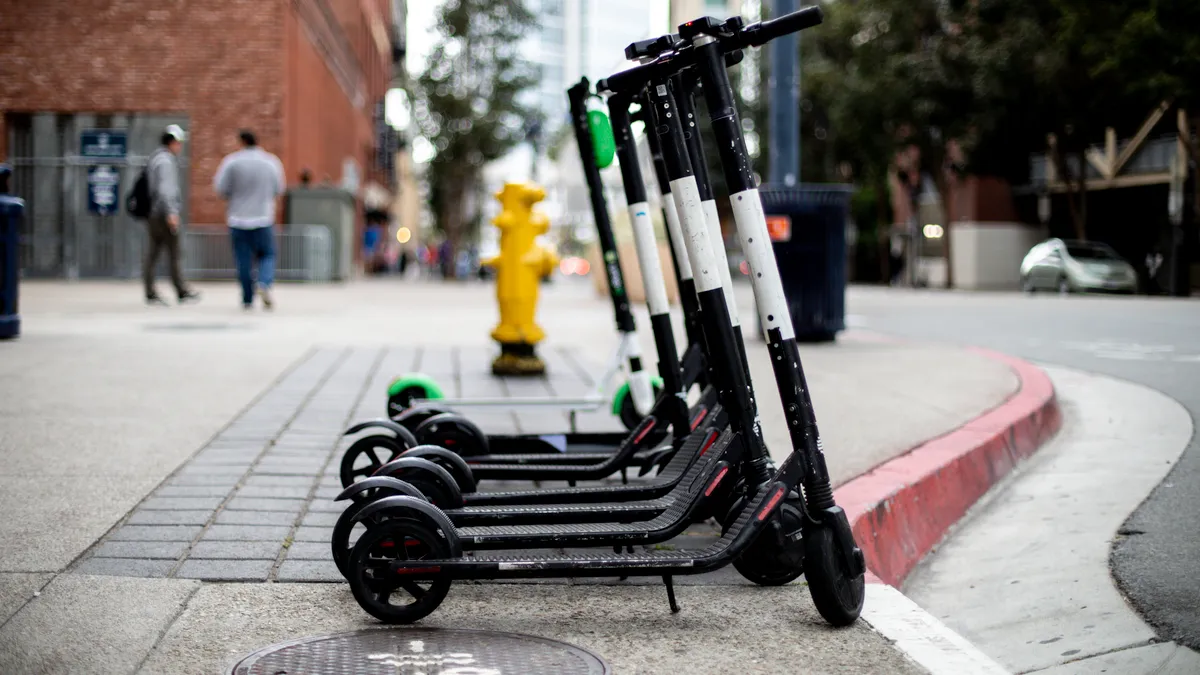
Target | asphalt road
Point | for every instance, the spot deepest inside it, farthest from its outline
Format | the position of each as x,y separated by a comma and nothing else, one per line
1152,341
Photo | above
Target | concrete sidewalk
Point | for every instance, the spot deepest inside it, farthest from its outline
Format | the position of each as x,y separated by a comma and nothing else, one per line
1041,599
104,401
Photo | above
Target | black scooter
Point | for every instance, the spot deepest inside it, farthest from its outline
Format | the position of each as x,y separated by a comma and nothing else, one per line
494,457
669,514
419,544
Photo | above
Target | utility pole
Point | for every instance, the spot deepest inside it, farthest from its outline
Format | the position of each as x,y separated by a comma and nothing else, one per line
784,102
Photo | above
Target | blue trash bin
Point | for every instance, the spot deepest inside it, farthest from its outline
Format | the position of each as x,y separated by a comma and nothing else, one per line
808,233
12,210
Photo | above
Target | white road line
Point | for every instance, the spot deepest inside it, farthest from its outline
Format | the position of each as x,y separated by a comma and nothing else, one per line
921,637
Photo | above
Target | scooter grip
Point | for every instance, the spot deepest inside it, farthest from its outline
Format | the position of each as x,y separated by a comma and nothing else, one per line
765,31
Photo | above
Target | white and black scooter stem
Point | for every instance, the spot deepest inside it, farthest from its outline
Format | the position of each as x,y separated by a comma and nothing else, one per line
728,374
640,386
648,260
769,295
684,85
679,254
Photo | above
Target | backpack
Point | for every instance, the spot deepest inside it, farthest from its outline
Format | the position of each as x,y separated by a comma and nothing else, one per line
137,202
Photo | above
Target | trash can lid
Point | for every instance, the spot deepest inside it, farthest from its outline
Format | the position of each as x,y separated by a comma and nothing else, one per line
834,194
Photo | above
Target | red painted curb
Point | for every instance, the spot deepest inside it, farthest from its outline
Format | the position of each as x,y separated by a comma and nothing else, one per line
902,508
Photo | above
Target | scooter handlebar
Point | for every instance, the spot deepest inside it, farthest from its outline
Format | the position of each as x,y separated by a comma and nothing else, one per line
758,34
670,51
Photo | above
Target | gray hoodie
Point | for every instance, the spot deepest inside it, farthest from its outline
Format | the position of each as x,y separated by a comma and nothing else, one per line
250,179
162,174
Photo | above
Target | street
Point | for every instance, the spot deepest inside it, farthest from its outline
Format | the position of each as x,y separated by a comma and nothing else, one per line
1150,341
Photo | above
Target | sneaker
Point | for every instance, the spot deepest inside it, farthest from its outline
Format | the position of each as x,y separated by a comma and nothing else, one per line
156,300
189,296
265,294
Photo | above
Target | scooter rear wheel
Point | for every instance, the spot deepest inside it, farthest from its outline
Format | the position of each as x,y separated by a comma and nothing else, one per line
449,461
340,543
402,400
366,455
453,432
628,413
772,559
413,417
837,595
375,588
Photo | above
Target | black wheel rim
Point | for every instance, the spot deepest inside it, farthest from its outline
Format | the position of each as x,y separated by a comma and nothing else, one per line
391,597
365,456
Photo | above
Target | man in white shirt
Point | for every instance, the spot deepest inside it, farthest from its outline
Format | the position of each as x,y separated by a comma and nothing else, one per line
251,180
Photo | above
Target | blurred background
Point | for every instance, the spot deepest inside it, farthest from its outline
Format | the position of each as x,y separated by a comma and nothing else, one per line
971,131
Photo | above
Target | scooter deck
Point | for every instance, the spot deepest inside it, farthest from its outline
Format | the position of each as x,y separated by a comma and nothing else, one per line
639,439
733,542
698,450
655,487
568,449
573,448
579,448
700,481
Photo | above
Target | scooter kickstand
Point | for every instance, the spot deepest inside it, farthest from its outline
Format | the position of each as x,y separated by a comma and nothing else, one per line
671,593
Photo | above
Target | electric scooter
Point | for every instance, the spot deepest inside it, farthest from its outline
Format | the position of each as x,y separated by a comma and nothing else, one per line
657,520
419,544
490,456
670,513
439,489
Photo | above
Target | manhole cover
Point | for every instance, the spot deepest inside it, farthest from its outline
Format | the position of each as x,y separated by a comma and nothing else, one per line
421,651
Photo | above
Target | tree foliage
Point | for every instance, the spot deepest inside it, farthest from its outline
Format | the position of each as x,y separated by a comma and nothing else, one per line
977,85
469,102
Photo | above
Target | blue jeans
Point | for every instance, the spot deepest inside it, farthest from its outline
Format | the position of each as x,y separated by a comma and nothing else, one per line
250,245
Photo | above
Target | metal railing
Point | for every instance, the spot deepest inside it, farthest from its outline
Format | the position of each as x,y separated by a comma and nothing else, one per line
302,253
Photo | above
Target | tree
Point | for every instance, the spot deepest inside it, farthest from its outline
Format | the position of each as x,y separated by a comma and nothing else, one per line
1149,50
469,102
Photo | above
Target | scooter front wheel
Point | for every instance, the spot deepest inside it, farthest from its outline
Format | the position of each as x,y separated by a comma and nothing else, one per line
837,595
389,597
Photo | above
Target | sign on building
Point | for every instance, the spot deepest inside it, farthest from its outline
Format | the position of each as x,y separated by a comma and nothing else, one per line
103,145
103,181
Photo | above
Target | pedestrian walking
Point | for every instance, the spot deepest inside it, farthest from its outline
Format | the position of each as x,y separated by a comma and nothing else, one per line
162,222
251,180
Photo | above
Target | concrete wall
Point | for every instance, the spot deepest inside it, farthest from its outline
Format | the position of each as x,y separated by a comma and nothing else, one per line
987,255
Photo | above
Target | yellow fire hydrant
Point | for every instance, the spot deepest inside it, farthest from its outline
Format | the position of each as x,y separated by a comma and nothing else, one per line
520,267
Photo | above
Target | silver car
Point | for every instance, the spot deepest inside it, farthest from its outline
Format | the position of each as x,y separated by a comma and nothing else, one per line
1070,266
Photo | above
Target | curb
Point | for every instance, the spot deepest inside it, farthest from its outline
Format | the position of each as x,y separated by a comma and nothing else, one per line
902,508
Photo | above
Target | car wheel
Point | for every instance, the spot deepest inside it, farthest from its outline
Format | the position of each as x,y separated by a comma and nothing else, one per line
1064,286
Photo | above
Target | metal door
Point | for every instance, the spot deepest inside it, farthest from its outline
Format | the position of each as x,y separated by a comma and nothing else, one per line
61,237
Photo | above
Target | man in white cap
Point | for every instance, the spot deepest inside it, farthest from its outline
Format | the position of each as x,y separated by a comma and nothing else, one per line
166,205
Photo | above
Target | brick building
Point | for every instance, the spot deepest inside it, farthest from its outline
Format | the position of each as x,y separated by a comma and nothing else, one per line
309,76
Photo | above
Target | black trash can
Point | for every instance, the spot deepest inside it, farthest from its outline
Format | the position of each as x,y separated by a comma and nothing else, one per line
12,210
808,232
